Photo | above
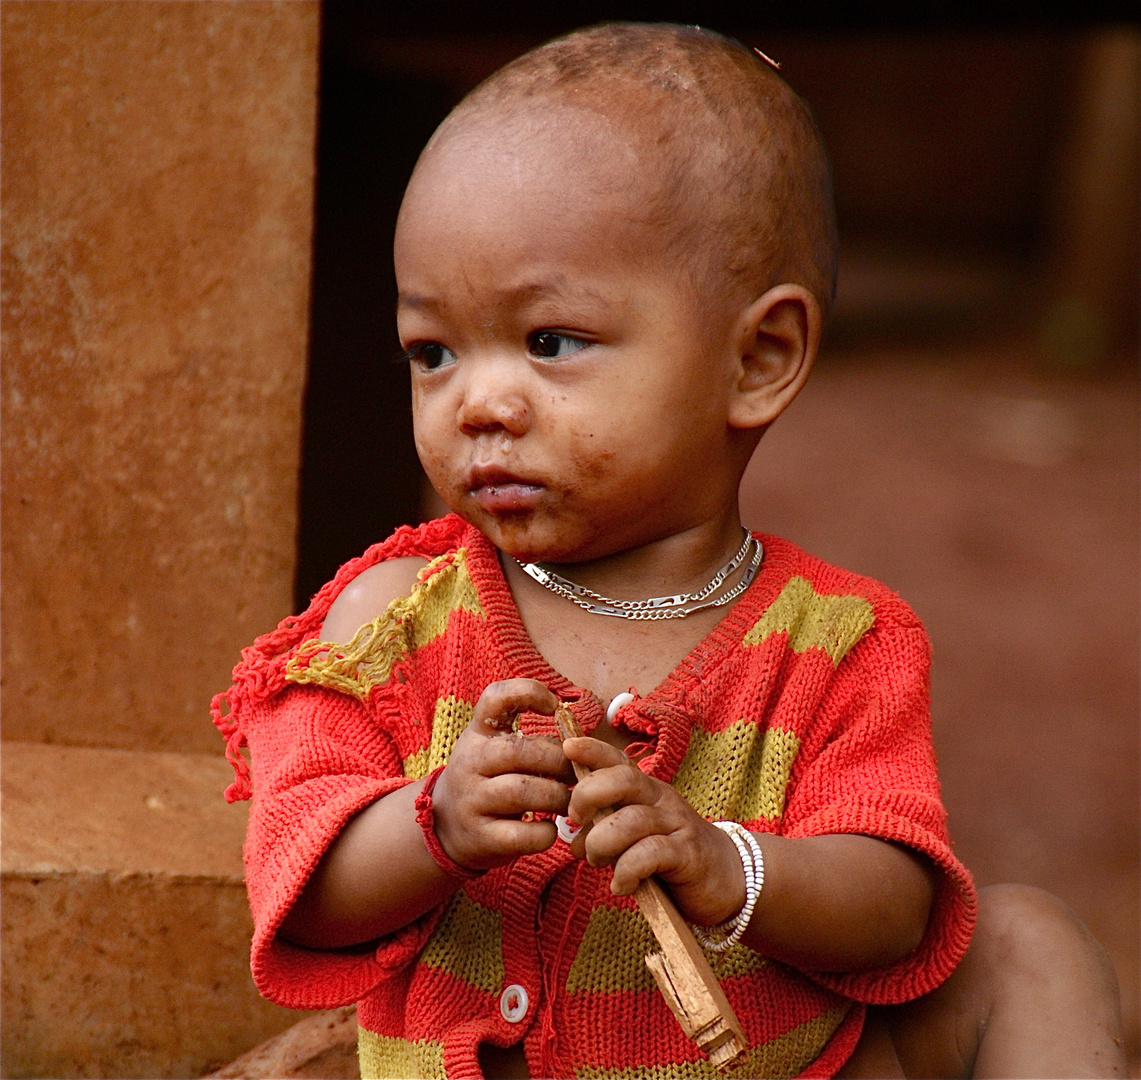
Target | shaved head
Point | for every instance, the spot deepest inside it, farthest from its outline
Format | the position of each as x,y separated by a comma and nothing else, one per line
727,157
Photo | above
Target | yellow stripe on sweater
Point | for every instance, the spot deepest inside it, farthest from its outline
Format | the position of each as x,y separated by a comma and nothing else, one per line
409,622
785,1056
612,956
468,944
814,621
384,1056
450,717
739,773
736,961
447,590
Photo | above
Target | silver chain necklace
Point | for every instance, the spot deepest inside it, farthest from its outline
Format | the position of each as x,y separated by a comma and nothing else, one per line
677,606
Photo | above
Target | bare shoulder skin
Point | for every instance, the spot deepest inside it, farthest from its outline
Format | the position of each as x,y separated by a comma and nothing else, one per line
368,595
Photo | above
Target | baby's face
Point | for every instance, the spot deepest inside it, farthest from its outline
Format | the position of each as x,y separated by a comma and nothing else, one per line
570,387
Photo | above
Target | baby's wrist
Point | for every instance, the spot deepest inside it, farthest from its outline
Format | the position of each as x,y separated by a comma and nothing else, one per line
751,865
426,819
727,883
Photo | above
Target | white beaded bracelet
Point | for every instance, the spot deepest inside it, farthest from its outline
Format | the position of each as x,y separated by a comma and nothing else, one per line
727,934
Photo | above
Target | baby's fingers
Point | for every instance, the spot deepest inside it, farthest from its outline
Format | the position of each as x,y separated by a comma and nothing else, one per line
653,854
515,838
594,753
514,794
537,755
502,702
617,786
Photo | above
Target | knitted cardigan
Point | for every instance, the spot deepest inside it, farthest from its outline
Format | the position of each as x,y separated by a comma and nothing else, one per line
804,712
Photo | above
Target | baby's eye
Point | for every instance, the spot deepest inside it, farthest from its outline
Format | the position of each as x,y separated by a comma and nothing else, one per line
428,355
551,345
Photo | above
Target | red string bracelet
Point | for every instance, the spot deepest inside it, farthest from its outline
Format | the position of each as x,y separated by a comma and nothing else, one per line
426,819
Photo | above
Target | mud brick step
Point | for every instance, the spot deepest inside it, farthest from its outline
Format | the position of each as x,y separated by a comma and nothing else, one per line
125,924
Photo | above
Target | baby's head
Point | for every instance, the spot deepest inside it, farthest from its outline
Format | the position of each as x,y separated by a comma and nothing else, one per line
722,149
643,215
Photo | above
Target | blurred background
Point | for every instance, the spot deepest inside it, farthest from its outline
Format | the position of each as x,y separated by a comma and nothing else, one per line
202,422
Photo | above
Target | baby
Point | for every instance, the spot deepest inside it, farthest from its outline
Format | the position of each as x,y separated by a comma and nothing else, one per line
615,259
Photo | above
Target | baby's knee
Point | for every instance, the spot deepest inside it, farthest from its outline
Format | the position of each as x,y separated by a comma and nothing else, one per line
1049,993
1023,930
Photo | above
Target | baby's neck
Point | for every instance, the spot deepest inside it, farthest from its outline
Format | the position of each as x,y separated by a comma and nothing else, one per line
609,654
680,563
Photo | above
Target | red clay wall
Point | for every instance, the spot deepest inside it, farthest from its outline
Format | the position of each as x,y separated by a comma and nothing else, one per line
157,189
157,209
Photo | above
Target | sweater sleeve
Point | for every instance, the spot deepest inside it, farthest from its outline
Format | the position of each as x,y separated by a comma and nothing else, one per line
318,757
321,750
869,768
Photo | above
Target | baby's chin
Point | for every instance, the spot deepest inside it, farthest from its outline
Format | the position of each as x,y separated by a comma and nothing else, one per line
525,536
516,535
540,533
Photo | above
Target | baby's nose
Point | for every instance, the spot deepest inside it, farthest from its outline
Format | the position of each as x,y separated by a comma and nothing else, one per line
493,402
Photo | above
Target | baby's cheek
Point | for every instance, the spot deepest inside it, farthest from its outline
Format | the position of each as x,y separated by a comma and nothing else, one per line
436,468
597,465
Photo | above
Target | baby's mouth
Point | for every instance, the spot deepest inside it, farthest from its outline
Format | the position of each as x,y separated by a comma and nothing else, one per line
512,498
499,492
507,498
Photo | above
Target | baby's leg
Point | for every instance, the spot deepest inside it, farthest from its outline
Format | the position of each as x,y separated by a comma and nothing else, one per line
874,1057
1035,996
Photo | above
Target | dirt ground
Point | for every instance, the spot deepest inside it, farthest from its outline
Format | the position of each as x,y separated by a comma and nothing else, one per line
1000,498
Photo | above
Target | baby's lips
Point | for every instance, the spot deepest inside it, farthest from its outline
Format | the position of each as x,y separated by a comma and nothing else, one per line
508,498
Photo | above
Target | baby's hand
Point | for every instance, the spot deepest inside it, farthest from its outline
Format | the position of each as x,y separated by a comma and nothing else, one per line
495,777
653,830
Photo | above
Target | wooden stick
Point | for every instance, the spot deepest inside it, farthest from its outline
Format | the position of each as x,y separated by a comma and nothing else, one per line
681,970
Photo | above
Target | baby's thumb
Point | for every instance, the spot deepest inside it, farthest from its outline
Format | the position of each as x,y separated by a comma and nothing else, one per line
501,703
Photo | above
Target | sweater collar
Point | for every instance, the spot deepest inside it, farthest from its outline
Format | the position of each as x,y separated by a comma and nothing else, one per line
667,713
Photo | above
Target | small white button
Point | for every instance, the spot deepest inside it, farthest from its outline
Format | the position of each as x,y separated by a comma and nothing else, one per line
513,1003
567,831
617,703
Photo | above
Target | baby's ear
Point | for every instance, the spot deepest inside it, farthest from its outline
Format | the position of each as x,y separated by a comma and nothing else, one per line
779,336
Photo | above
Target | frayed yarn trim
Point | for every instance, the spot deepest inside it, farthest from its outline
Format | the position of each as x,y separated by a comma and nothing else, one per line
240,787
261,672
368,660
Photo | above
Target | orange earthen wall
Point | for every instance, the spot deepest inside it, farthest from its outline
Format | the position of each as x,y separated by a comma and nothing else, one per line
157,190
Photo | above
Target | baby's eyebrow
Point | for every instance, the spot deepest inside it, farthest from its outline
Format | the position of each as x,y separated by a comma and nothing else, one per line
414,300
556,287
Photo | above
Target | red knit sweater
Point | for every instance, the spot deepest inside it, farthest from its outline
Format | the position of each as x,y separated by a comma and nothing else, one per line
805,711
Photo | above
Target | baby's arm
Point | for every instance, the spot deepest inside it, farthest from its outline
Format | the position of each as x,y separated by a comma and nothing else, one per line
829,903
378,875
